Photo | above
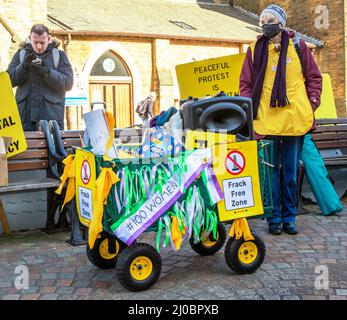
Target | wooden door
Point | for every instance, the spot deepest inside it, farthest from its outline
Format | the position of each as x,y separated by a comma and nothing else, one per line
118,97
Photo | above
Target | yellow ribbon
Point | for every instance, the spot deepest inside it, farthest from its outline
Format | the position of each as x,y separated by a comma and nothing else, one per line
175,233
69,173
110,123
240,228
103,185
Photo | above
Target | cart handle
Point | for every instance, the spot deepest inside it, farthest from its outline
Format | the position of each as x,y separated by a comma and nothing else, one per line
98,102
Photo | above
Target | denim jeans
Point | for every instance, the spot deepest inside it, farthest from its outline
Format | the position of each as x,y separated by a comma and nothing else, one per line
284,179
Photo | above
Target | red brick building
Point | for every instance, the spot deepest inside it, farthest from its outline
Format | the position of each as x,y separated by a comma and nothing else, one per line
325,20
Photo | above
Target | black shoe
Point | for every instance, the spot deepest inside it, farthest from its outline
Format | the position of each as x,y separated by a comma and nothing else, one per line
290,228
275,228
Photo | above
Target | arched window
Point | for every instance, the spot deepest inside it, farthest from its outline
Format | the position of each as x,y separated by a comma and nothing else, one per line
110,82
109,65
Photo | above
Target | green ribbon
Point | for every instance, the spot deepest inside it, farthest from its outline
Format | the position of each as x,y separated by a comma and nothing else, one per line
144,173
211,223
161,225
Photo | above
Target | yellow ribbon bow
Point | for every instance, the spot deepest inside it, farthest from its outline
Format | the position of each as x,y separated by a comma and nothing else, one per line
240,228
103,185
69,173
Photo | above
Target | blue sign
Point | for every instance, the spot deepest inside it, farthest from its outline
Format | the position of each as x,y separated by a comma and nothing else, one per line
75,101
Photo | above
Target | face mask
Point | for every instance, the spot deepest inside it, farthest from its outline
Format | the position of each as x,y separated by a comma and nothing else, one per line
271,30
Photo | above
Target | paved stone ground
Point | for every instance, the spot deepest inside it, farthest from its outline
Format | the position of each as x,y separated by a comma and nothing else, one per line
59,271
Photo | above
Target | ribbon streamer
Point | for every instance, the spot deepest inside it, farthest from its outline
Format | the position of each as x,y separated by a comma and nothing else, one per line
110,123
68,174
103,185
240,228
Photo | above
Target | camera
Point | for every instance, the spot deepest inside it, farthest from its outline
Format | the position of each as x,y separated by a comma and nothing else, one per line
37,61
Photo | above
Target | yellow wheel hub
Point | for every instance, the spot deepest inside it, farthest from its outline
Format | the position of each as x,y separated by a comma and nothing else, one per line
206,241
141,268
248,252
103,250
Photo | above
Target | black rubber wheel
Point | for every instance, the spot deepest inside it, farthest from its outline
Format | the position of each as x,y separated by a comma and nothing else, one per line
100,256
138,267
245,257
210,246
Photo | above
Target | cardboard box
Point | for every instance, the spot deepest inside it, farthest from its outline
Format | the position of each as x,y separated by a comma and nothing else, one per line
4,143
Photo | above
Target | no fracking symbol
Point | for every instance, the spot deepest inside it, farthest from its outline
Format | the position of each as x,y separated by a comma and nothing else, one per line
235,162
85,172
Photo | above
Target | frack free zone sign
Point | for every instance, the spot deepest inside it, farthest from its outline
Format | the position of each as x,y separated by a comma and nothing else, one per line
237,172
10,123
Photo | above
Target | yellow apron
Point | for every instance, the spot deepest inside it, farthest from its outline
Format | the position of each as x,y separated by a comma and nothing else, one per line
295,119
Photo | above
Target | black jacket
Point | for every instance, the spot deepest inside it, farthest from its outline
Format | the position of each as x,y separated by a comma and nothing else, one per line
41,98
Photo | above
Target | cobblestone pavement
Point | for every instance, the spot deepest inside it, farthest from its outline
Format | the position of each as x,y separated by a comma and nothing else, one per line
60,271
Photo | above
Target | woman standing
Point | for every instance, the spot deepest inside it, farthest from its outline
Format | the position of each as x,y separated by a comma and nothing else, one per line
285,84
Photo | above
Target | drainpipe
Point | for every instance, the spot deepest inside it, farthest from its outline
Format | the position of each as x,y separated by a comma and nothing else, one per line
68,113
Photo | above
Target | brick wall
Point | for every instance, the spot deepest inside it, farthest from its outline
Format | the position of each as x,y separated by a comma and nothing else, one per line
140,54
20,16
302,16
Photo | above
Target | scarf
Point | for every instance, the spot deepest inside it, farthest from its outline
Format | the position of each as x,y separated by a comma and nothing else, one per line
279,91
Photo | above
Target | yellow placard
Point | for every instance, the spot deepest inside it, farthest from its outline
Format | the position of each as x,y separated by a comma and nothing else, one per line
236,169
218,142
198,139
85,185
208,77
327,108
10,123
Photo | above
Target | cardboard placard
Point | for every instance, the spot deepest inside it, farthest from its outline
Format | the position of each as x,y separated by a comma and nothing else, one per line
98,133
197,139
208,77
4,143
218,142
10,122
327,108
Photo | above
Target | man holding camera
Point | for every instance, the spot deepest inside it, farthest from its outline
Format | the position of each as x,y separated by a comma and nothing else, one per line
42,75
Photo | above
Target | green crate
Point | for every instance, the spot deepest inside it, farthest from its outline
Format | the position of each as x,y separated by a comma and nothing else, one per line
111,214
265,159
265,164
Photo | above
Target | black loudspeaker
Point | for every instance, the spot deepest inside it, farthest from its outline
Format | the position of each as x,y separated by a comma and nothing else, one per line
231,114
